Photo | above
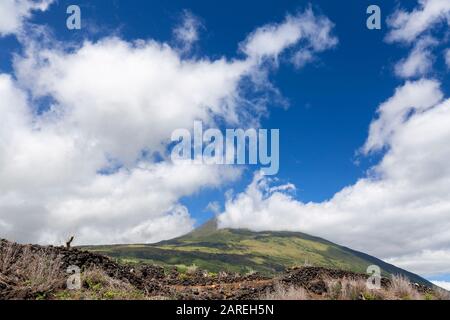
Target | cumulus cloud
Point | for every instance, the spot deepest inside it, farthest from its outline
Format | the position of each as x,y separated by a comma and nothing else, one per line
187,32
305,30
407,26
415,28
50,184
443,284
13,13
398,211
425,262
94,162
413,97
131,96
420,60
50,163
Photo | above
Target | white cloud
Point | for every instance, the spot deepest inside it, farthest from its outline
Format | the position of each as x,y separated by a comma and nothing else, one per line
131,96
447,57
411,97
87,166
414,28
137,206
443,284
302,57
50,187
13,13
407,26
269,41
213,207
420,60
398,211
425,262
187,32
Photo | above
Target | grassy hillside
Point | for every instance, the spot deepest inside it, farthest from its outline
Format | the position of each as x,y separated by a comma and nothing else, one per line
245,251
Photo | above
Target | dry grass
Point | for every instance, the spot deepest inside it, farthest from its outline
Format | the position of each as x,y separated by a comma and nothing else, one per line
441,294
352,289
97,285
192,269
9,254
250,272
402,289
32,275
345,289
34,272
281,292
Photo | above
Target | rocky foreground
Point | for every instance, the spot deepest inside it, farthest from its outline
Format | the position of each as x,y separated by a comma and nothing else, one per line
37,272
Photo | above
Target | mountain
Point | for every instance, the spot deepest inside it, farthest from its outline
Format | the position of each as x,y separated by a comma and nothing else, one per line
33,272
244,251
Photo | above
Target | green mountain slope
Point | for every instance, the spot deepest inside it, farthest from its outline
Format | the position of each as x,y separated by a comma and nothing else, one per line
242,251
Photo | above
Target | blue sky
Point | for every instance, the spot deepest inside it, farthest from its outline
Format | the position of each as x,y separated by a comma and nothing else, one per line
332,100
323,127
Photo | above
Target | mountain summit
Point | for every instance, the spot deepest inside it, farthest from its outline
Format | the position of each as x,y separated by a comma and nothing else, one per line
244,251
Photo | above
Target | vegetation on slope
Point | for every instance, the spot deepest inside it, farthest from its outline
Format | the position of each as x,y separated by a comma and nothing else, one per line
245,251
37,272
